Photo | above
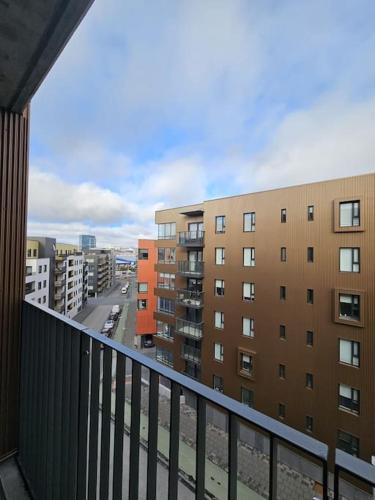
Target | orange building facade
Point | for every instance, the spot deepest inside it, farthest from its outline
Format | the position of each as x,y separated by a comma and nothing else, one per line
146,283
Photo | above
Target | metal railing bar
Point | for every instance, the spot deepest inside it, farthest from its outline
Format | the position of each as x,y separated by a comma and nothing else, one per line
153,424
94,420
118,449
354,467
200,457
135,427
65,412
57,441
106,422
272,480
232,456
83,417
174,441
74,412
51,407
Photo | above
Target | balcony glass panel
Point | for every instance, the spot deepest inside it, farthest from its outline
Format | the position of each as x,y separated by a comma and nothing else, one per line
191,238
191,268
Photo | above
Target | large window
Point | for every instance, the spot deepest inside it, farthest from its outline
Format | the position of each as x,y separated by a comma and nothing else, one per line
218,383
349,398
166,305
247,397
350,213
249,257
220,224
164,356
349,307
166,280
164,330
349,352
347,442
246,364
219,320
248,327
219,351
166,255
219,287
167,231
142,287
142,254
349,260
220,256
248,291
249,222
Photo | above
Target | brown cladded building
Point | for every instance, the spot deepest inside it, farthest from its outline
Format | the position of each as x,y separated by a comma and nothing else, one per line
269,297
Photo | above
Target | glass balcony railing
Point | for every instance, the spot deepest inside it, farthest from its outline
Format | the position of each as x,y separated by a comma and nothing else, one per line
191,238
189,328
190,298
191,353
100,420
190,268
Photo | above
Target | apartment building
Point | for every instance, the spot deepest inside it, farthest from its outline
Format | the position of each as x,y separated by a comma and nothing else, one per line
69,280
37,279
270,299
146,284
87,242
101,270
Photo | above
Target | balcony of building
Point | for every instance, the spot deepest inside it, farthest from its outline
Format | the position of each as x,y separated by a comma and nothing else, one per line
190,298
190,329
191,239
191,353
30,287
190,269
60,294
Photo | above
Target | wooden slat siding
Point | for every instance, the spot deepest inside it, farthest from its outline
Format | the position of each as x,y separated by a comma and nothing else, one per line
14,133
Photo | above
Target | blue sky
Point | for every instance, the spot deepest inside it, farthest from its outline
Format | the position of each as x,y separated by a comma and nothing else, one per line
165,103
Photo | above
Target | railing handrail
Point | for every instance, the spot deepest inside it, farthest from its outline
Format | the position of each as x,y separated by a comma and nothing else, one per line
263,422
196,231
190,322
194,292
355,467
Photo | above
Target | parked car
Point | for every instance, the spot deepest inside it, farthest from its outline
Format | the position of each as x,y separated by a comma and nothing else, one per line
124,289
109,324
113,316
115,309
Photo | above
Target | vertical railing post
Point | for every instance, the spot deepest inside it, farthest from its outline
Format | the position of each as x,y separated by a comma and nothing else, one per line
325,480
200,461
273,468
83,417
233,457
174,441
336,483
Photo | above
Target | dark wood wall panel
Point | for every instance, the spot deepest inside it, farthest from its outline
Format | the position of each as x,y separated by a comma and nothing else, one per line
14,133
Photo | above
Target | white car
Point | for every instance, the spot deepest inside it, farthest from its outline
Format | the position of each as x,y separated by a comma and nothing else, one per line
124,289
109,324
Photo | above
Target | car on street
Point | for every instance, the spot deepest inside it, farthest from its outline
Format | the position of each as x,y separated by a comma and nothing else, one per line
124,289
109,324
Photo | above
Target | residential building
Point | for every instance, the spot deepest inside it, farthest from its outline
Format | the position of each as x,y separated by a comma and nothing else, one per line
101,270
146,284
87,242
47,250
274,304
37,274
69,282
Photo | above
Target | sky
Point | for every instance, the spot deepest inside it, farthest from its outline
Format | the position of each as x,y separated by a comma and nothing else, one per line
165,103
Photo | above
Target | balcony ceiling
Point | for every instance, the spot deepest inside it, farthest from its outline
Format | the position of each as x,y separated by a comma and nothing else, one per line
32,35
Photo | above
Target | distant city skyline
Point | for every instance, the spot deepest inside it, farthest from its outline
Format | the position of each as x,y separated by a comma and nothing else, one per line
194,100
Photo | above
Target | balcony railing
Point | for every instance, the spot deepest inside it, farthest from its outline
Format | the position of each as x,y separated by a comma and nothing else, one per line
96,423
191,239
190,298
189,328
191,353
190,268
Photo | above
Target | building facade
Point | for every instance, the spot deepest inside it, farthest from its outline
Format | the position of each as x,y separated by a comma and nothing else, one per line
270,299
69,280
146,284
37,279
87,242
101,270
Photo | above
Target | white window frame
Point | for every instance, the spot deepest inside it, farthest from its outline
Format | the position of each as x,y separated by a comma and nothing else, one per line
248,327
349,352
350,260
219,320
220,256
248,292
218,351
219,284
249,256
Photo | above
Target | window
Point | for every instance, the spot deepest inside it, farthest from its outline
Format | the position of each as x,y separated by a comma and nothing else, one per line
283,215
281,410
248,291
350,213
310,296
40,269
282,371
309,423
164,330
142,254
166,255
44,299
309,380
219,287
219,351
246,363
349,398
29,252
44,283
248,327
142,287
45,268
218,383
166,305
310,254
349,352
220,256
167,231
39,301
347,442
166,280
249,222
309,338
310,213
349,260
141,304
283,254
283,293
219,320
34,253
39,285
220,224
164,356
282,332
349,307
247,397
249,257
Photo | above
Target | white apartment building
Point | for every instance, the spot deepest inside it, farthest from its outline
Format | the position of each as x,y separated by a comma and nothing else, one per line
37,274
